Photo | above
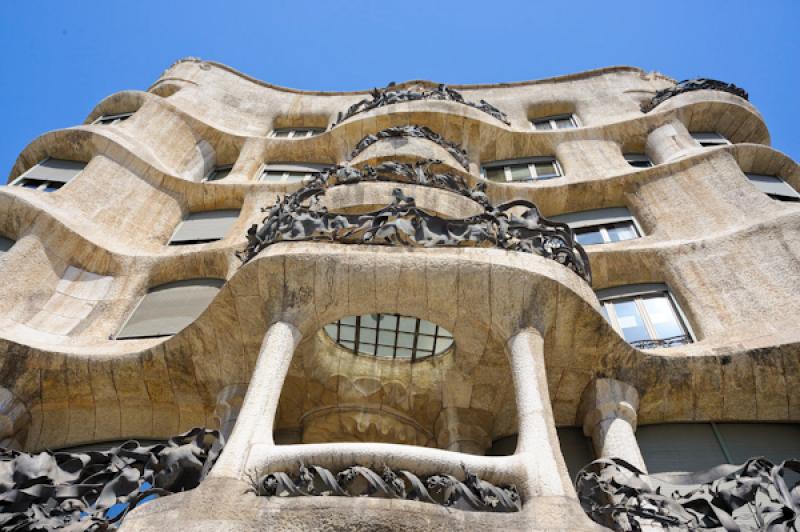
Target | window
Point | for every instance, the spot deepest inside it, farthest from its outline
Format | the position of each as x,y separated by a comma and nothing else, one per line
709,140
289,173
601,226
774,187
50,174
565,121
692,447
169,308
108,120
220,172
532,169
295,132
5,245
638,160
206,226
646,315
390,336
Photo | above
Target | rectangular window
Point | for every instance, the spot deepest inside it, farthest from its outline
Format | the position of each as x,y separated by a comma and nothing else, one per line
646,316
521,170
289,172
50,174
202,227
601,226
220,172
295,132
546,123
774,187
710,139
638,160
108,120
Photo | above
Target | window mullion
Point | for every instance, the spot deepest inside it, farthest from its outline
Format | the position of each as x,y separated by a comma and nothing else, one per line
651,330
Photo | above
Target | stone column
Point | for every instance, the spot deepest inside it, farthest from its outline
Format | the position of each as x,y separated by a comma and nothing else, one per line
229,404
537,443
257,415
609,416
670,141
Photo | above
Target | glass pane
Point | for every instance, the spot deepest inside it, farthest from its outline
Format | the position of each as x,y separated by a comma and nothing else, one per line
386,338
30,184
588,236
564,123
388,322
330,329
426,327
272,177
366,348
425,343
405,340
349,320
520,172
348,345
408,324
403,353
546,169
542,125
630,321
52,187
496,174
294,178
367,335
443,343
347,333
662,316
444,332
621,231
371,320
282,133
385,352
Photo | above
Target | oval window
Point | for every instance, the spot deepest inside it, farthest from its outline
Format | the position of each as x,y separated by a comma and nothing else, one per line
390,336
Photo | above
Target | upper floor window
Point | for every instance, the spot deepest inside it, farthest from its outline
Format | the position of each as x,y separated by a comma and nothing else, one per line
50,174
289,173
565,121
5,245
601,226
710,139
167,309
774,187
638,160
205,226
390,336
219,172
531,169
295,132
107,120
646,315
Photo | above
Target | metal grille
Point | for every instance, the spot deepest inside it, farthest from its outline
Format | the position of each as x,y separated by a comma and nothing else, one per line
390,336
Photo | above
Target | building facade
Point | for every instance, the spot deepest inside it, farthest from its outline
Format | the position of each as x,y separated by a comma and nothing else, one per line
432,305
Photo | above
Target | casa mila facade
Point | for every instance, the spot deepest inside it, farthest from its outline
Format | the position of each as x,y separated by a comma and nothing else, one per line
566,304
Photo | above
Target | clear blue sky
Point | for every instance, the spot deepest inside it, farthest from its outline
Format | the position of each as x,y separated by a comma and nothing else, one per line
59,58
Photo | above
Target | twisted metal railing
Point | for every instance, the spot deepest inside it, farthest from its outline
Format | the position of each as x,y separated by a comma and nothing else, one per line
458,153
672,341
689,85
390,95
515,225
471,494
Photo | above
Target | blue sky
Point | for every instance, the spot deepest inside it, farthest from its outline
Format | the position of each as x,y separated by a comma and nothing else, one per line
60,58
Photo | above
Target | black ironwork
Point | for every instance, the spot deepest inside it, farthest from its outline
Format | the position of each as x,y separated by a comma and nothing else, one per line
58,490
689,85
300,216
471,494
757,495
672,341
391,94
458,153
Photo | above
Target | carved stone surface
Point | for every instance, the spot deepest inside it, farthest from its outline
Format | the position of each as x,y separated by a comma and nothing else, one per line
688,85
470,494
299,216
458,153
756,495
54,490
390,95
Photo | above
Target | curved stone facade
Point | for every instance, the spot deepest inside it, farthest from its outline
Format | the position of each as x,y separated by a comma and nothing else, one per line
532,349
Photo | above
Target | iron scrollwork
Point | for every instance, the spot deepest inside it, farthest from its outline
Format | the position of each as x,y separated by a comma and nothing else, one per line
672,341
514,226
391,94
458,153
471,494
82,491
757,495
689,85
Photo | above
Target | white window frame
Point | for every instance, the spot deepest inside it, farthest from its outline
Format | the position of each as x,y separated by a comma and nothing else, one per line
638,158
710,139
296,132
43,182
110,120
790,195
603,230
530,161
553,120
600,219
221,168
308,169
636,293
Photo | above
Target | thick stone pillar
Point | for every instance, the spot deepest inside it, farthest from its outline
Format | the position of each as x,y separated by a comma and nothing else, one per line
609,415
229,404
670,141
257,415
537,443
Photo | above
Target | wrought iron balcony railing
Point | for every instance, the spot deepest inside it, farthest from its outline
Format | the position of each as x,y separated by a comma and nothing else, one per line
689,85
672,341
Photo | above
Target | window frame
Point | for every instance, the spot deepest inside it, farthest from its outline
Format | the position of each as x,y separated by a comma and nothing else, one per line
601,219
44,183
791,196
308,169
631,158
552,121
530,162
220,168
293,132
710,139
636,293
110,120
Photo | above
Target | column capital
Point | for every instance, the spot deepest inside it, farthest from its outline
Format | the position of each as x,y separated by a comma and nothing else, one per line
607,399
